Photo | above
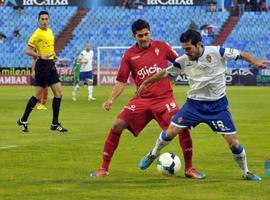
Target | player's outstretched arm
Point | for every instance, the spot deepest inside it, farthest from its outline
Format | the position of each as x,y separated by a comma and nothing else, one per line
117,90
158,76
258,63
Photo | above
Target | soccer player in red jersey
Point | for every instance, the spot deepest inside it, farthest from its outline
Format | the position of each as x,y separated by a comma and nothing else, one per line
142,60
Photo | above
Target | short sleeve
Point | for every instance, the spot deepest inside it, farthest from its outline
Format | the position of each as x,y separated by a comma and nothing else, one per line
124,70
171,54
176,68
229,53
32,40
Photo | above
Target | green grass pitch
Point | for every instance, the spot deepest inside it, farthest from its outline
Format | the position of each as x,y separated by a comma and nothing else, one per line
48,165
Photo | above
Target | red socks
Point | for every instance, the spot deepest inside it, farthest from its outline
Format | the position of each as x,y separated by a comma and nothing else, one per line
113,139
185,142
110,146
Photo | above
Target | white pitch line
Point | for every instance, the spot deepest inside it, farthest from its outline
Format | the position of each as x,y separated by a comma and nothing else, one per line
8,147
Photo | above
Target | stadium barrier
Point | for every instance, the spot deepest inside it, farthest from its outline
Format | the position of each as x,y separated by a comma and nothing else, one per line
22,76
107,76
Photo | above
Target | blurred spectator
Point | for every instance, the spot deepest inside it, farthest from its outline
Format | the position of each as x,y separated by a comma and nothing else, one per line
211,30
228,5
2,37
208,30
257,5
1,3
212,5
248,5
135,4
235,10
241,6
126,4
19,9
204,32
139,4
16,32
252,5
193,26
263,6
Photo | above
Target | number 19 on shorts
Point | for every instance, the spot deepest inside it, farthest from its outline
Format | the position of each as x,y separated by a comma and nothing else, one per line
170,106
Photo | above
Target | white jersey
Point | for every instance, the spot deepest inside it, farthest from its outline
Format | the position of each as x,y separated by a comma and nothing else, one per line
86,57
206,75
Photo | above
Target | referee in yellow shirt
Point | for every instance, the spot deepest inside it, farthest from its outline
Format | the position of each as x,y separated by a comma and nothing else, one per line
41,46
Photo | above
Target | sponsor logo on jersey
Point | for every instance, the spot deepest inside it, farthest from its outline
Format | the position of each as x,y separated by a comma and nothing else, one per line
135,57
157,51
148,71
131,107
189,64
208,58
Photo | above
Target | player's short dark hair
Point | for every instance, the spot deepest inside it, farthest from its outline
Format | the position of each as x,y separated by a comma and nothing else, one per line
191,35
43,12
139,25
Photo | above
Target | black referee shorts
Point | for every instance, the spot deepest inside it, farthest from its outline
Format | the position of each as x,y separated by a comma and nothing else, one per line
45,73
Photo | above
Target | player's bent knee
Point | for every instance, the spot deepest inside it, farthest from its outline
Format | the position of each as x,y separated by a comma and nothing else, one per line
172,131
233,141
234,144
38,96
119,126
90,82
58,95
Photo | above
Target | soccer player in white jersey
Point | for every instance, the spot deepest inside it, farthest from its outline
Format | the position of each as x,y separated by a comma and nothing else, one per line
86,75
205,68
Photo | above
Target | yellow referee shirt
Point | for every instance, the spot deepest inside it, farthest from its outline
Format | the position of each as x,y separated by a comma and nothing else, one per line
43,42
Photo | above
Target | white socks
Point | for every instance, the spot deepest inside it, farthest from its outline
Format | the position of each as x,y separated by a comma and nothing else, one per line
239,155
161,142
75,90
90,91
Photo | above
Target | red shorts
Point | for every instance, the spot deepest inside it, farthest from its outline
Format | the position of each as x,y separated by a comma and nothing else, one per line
139,111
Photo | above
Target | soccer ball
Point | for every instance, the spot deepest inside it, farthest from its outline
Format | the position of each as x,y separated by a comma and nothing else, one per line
168,164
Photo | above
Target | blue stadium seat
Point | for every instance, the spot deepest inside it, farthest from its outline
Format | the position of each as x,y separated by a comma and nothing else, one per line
251,34
27,22
110,26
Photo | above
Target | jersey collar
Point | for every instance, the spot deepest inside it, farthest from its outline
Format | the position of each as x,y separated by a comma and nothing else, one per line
203,49
139,49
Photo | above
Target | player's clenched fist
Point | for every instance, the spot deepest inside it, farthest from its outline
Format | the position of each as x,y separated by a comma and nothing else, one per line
107,105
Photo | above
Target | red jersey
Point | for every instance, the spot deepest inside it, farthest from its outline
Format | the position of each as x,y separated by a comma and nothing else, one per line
144,63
